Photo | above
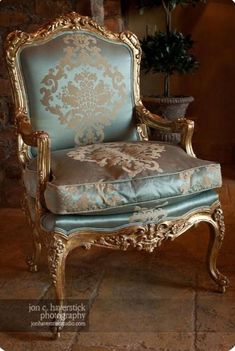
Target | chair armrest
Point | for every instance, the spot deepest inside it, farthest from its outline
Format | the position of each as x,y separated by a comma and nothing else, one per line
41,141
182,125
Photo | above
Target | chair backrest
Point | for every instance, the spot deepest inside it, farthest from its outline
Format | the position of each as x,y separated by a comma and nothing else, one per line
76,80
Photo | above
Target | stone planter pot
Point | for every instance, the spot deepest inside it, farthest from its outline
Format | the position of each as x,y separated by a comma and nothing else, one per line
170,108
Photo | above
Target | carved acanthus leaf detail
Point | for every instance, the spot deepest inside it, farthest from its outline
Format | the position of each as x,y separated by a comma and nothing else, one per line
173,229
145,238
219,218
56,249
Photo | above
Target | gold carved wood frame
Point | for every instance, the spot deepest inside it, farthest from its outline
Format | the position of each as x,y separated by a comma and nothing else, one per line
145,237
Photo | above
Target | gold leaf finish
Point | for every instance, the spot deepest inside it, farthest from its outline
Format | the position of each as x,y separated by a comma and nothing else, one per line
56,249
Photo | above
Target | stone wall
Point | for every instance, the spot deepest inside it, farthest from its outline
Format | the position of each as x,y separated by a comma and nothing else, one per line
28,15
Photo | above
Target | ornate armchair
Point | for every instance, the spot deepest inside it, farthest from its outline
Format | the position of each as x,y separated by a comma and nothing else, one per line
91,176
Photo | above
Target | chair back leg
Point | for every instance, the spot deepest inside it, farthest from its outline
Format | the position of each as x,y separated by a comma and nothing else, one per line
217,231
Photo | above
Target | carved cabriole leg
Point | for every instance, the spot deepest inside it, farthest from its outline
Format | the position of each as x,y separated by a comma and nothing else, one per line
147,237
57,254
216,238
32,261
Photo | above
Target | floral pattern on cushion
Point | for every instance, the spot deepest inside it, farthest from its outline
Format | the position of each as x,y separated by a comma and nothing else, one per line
116,177
199,179
128,156
91,198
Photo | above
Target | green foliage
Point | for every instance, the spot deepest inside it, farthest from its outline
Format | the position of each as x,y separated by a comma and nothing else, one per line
168,53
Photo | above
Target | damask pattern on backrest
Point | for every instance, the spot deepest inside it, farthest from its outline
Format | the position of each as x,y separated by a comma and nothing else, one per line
79,88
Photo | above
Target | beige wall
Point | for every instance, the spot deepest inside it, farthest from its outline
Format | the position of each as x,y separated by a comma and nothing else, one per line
213,86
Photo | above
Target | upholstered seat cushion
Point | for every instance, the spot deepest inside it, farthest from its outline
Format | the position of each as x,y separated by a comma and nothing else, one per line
118,177
69,224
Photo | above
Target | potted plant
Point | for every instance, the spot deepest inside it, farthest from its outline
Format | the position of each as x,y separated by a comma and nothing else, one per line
168,52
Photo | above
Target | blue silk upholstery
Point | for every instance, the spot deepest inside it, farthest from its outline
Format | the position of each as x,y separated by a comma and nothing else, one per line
79,88
116,178
68,224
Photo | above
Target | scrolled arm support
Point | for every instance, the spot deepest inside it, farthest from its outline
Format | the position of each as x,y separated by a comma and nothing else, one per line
24,128
43,160
41,141
182,125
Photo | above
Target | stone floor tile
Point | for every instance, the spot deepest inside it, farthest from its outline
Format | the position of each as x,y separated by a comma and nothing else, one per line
215,312
36,341
143,300
78,347
156,281
23,284
146,315
81,282
215,341
133,341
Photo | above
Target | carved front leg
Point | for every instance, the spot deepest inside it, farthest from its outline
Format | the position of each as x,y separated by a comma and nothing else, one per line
56,260
216,239
33,260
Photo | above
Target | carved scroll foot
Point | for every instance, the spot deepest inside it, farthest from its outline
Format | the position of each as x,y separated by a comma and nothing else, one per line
216,238
56,261
32,261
